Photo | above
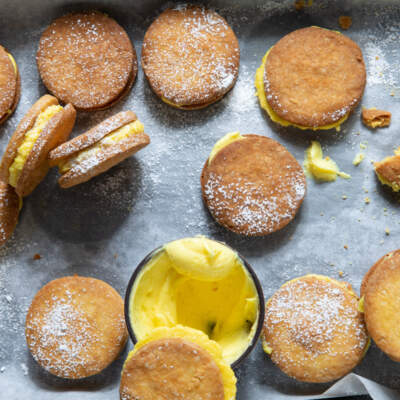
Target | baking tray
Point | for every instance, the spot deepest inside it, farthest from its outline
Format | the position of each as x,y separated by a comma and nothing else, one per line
105,227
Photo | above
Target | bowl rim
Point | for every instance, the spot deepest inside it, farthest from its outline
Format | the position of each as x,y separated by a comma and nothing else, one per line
248,267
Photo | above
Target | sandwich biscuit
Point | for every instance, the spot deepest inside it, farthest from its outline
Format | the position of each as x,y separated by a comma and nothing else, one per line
10,84
313,329
45,126
99,149
252,185
190,56
185,360
313,78
87,59
75,326
388,171
10,205
381,293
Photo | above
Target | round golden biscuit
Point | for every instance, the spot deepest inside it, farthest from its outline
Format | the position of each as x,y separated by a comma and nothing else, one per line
253,186
75,326
169,369
190,56
9,211
87,59
314,77
313,330
10,85
381,292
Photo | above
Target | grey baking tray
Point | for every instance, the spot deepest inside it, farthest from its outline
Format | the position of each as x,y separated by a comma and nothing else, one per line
105,227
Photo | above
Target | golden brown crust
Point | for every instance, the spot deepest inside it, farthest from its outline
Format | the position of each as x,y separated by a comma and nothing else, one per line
190,56
304,77
389,169
10,86
185,369
9,211
18,136
75,326
381,290
253,186
36,165
81,142
87,59
374,118
103,160
315,329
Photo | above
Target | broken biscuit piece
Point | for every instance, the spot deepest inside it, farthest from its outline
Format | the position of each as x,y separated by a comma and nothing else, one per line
374,118
345,22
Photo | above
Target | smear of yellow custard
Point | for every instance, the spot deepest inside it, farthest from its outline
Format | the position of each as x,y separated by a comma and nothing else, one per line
202,340
116,136
223,142
324,169
259,84
29,140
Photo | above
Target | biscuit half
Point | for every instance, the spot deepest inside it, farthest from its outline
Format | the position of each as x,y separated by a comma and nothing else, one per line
311,79
313,330
185,360
44,127
253,186
381,292
87,59
190,57
10,206
99,149
10,84
75,326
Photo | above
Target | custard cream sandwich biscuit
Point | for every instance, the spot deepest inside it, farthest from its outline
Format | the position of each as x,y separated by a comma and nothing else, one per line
75,326
388,171
46,125
179,362
87,59
99,149
10,205
190,56
252,185
380,292
10,84
312,78
313,329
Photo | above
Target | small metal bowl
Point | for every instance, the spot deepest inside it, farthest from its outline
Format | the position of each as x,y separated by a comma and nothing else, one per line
260,294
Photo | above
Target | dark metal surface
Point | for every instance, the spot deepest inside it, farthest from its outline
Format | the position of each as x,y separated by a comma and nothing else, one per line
105,227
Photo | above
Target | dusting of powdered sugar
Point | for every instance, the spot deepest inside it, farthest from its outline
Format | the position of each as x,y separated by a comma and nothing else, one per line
255,208
316,315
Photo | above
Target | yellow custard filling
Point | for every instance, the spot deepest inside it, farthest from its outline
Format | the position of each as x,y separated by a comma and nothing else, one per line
198,283
324,169
116,136
202,340
259,84
13,63
267,349
223,142
29,141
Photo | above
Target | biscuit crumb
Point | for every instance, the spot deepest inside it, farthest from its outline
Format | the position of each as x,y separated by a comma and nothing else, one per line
115,255
392,93
387,231
341,273
301,4
345,22
374,118
358,159
344,197
346,247
367,200
363,145
37,256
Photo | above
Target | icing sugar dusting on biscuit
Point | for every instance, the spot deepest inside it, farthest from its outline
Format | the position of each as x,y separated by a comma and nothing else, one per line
313,318
257,208
190,56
